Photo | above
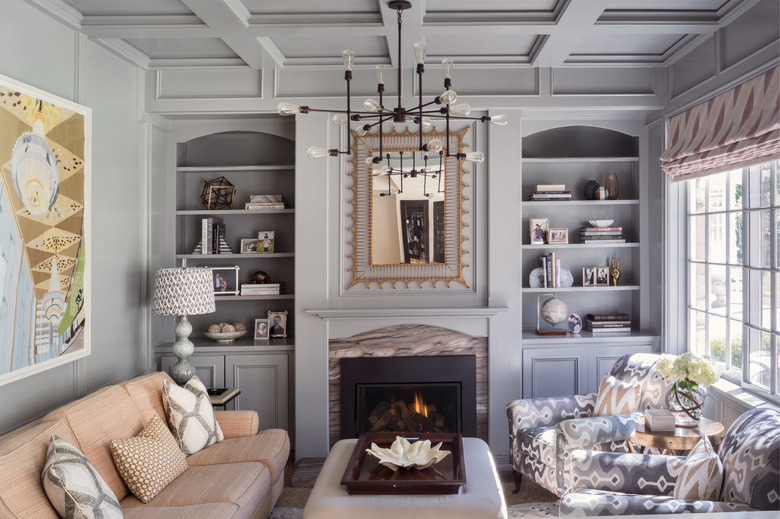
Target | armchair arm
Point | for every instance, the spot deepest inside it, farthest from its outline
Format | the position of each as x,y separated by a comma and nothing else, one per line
541,412
627,473
596,502
235,424
581,433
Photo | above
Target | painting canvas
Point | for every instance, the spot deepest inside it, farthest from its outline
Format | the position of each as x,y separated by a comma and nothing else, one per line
44,230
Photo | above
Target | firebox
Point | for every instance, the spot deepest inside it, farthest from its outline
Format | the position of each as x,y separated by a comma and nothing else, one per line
408,394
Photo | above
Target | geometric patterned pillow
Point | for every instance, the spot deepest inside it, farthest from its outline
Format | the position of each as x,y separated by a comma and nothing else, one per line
74,487
702,475
149,461
616,397
191,415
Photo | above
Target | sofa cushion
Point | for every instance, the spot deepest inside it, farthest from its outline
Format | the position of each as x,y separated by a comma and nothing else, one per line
146,392
22,456
74,487
191,415
210,510
270,447
148,461
616,397
95,420
243,484
701,477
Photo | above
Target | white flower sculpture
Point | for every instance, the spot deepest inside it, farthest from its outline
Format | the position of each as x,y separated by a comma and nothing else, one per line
418,455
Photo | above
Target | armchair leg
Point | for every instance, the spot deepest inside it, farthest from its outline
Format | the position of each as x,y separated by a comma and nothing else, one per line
518,477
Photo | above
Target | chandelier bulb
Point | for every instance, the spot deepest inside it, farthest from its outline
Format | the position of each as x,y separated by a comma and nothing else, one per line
371,105
340,119
448,97
419,52
499,119
461,109
475,156
349,58
446,67
288,109
380,74
434,145
361,131
317,152
426,123
381,170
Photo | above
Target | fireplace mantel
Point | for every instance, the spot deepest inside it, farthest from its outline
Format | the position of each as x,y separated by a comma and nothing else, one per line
392,313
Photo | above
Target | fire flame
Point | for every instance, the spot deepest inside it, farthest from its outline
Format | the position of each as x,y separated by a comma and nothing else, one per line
419,404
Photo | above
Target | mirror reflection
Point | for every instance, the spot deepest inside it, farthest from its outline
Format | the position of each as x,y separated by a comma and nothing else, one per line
407,224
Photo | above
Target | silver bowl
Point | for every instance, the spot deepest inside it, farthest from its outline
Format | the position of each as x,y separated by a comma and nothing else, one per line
225,336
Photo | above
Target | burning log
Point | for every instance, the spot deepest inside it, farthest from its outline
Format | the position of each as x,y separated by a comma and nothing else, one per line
380,409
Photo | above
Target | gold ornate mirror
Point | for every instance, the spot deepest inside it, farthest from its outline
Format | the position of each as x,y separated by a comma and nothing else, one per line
408,212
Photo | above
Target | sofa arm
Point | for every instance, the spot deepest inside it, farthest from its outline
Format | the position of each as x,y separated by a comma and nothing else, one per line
545,412
235,424
622,472
581,433
596,502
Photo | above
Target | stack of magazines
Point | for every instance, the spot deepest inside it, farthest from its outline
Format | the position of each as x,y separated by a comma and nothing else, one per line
550,192
659,420
605,323
264,202
266,289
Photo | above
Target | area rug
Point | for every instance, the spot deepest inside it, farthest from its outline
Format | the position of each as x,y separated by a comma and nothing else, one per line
513,511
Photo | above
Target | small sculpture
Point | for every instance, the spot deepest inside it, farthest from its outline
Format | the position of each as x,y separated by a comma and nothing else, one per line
260,278
218,193
614,270
589,192
403,454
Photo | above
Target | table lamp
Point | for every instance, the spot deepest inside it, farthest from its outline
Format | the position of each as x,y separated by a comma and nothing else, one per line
183,292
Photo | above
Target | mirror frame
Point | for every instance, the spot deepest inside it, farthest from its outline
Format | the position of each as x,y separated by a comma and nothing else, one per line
364,271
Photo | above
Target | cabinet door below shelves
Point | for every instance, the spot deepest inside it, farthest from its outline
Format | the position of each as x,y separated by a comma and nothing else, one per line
210,369
263,380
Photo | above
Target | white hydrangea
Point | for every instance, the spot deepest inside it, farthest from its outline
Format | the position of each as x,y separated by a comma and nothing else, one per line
687,367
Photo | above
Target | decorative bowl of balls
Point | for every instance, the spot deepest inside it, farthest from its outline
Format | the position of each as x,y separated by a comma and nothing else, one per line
225,332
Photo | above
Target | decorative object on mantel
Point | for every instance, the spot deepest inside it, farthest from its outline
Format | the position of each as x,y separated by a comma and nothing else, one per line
218,193
404,454
183,291
376,113
589,192
553,311
614,271
691,376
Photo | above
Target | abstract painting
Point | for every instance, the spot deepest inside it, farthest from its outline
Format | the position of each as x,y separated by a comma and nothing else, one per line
44,230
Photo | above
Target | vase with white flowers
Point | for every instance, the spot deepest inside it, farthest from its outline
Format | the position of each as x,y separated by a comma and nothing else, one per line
690,376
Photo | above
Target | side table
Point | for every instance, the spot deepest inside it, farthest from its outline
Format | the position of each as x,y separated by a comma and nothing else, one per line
221,396
679,441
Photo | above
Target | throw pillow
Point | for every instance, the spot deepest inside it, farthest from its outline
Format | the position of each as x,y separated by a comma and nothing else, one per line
74,486
149,461
616,397
191,415
701,477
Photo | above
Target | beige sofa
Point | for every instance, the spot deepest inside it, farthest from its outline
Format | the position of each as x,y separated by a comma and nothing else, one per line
238,478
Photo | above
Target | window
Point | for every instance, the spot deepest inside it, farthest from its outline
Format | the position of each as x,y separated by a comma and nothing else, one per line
733,263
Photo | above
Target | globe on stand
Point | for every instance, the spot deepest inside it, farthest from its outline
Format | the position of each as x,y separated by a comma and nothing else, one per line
553,311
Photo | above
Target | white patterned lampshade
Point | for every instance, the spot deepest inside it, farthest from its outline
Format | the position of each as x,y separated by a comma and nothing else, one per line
183,291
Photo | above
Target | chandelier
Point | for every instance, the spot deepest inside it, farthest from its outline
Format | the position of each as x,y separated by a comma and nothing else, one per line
375,113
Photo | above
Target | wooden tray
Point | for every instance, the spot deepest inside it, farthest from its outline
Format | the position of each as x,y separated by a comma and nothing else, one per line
364,474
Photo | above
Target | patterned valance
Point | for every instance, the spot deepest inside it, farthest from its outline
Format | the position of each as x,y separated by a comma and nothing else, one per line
735,129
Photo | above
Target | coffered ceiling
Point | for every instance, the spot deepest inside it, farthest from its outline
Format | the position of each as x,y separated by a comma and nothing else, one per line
312,33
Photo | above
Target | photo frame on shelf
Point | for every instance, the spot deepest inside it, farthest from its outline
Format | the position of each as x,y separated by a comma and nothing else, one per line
277,322
558,236
589,276
538,228
265,242
249,245
225,280
262,329
602,276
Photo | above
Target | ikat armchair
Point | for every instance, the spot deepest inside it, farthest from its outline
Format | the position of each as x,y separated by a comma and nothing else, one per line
607,483
544,431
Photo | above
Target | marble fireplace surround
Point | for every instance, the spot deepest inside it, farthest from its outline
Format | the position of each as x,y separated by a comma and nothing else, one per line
406,340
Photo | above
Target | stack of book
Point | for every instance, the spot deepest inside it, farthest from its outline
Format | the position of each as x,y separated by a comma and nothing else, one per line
659,420
607,323
602,235
550,192
552,270
264,202
266,289
212,237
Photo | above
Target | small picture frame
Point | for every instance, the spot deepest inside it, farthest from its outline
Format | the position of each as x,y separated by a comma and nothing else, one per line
538,228
575,323
602,276
277,323
225,280
558,235
262,329
265,242
249,245
589,276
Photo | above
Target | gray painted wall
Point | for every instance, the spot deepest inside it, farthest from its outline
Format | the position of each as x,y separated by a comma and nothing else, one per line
57,59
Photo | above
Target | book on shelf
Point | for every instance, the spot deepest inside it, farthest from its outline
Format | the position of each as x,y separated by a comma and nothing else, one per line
551,266
608,324
265,289
601,233
551,187
592,229
261,206
608,317
607,330
209,235
603,241
265,198
550,195
659,420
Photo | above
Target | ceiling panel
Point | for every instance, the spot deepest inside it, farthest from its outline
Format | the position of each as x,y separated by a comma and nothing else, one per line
310,6
127,8
499,46
670,5
296,47
644,44
179,48
491,5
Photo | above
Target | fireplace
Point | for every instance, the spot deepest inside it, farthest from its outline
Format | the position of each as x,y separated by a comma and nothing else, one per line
409,394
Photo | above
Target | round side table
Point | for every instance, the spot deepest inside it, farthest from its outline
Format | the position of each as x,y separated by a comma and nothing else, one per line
679,441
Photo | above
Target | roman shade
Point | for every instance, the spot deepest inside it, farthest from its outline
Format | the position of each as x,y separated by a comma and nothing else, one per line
737,128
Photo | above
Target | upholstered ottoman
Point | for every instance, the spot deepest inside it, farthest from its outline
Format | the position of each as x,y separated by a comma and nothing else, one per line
480,498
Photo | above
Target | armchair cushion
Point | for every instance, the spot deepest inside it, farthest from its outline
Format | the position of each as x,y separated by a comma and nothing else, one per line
624,472
702,474
616,397
597,502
